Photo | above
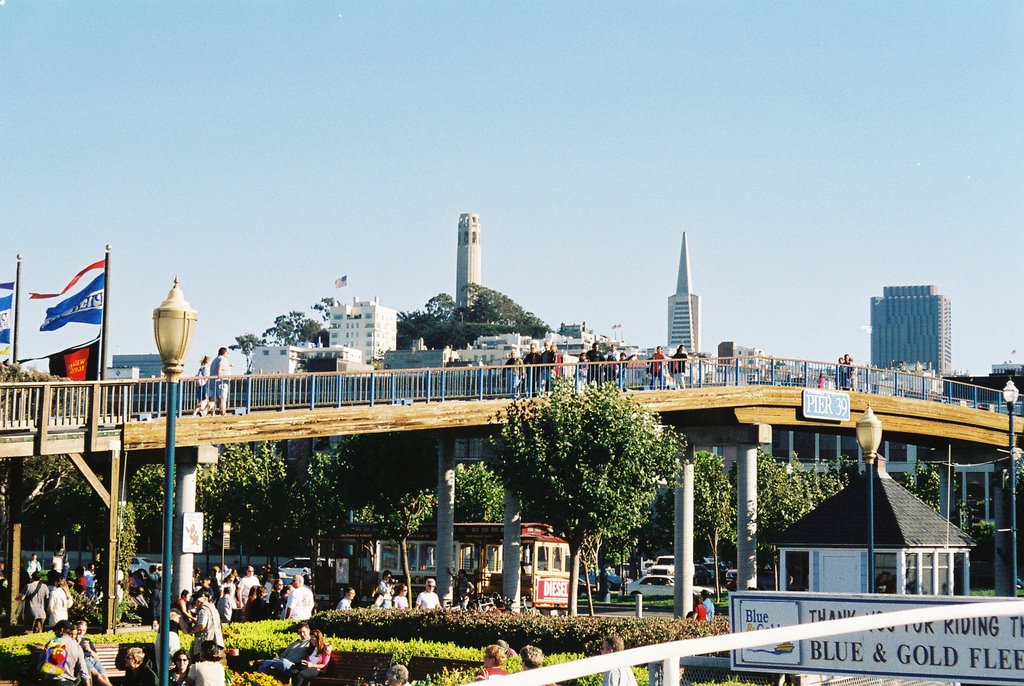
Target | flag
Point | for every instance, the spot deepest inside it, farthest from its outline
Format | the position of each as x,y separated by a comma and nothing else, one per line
77,363
95,265
342,282
617,326
5,318
7,285
85,306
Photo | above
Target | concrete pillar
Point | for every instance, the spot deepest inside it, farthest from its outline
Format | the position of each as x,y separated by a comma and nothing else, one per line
185,494
682,542
187,462
511,554
445,550
746,518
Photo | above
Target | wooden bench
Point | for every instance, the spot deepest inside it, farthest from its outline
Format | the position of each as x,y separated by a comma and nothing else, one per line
347,667
422,667
111,656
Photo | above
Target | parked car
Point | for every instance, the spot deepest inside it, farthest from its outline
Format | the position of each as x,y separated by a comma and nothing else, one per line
665,565
296,565
658,585
614,580
142,563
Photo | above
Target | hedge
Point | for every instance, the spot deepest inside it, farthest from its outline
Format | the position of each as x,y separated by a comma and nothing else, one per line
478,629
453,635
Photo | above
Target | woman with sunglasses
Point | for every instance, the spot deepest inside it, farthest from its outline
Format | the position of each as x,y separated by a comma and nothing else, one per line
179,668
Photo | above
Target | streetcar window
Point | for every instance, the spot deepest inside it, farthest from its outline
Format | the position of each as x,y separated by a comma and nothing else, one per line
558,559
389,556
467,560
542,558
493,553
427,560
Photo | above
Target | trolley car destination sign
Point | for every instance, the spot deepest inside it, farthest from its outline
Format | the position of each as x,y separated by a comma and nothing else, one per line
979,650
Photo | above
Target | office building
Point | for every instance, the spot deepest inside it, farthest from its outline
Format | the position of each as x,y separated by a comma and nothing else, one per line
911,325
365,325
291,359
684,308
467,267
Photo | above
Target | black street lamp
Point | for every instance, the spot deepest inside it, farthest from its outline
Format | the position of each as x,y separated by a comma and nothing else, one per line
174,322
869,435
1010,395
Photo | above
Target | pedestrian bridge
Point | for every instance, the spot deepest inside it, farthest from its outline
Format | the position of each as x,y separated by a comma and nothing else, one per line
69,417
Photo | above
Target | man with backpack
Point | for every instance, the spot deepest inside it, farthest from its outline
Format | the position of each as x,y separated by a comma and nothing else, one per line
63,660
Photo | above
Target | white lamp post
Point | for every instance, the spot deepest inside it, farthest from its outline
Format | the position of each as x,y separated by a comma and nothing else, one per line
869,435
174,322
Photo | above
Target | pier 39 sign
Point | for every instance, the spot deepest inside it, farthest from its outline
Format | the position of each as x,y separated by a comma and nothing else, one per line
977,650
831,406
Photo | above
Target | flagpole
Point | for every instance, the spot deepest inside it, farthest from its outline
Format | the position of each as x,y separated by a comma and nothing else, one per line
102,373
17,311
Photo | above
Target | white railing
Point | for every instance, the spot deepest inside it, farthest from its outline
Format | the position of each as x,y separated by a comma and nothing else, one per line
669,654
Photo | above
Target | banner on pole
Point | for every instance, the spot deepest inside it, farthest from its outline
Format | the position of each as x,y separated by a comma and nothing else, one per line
192,532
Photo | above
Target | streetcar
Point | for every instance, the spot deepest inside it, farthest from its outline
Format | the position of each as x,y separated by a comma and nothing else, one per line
361,555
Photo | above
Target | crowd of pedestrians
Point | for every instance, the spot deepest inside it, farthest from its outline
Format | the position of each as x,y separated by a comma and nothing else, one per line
534,372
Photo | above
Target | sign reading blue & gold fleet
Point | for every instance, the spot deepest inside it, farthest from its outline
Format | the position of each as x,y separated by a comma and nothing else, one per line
831,406
980,650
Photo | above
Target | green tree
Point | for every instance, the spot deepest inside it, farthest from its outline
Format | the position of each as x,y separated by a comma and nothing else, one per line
588,463
786,491
249,487
146,493
294,328
245,344
714,512
324,308
390,478
479,495
923,482
441,324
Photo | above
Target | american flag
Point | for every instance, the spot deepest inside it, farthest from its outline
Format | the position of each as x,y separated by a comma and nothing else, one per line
341,282
617,326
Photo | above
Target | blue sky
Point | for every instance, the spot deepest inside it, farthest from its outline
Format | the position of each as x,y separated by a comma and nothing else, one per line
813,151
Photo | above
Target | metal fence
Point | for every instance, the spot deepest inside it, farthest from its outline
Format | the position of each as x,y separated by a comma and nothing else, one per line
71,405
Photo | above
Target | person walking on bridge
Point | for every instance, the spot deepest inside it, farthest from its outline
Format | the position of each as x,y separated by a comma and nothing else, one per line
220,368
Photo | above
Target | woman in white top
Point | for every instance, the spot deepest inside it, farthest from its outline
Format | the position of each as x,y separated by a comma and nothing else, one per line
208,671
58,603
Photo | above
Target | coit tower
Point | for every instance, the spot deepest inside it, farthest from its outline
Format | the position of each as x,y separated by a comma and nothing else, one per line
467,267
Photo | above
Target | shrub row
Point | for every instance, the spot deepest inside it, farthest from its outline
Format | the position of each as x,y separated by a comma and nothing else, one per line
551,634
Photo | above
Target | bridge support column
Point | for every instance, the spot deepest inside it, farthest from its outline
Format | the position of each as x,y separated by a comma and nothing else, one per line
445,550
747,439
512,549
187,465
746,518
15,487
682,541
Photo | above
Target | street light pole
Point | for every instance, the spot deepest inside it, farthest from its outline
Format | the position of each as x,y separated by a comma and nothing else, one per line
869,436
174,322
1010,395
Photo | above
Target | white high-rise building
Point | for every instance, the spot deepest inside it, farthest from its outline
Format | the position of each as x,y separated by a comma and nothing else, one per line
467,267
684,309
365,325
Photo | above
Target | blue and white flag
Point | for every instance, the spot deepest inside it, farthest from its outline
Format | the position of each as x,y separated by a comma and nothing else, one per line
5,318
85,307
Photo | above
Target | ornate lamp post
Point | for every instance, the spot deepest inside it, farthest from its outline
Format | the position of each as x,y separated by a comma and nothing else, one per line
1010,395
174,322
869,435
